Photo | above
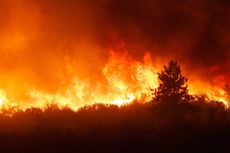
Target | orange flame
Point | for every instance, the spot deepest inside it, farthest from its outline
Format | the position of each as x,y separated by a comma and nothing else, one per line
124,80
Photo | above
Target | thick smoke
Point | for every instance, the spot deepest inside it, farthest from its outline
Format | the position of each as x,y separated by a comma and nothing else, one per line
39,37
194,32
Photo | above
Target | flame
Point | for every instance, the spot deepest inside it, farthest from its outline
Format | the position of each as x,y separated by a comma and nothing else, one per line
39,50
3,98
123,81
213,93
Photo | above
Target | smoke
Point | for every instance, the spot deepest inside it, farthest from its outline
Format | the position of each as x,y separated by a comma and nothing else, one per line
38,38
195,33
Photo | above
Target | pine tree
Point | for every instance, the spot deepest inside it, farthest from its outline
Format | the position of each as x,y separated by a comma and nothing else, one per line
172,86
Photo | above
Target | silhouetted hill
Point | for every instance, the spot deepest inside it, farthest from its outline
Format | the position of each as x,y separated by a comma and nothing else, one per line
148,127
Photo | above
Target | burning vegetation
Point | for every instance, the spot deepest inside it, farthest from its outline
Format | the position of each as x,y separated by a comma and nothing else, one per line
166,119
86,76
124,80
80,53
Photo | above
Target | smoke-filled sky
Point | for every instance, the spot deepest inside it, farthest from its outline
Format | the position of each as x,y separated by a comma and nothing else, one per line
39,38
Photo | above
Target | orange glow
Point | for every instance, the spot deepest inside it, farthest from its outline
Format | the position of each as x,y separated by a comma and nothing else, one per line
124,80
3,98
213,92
56,54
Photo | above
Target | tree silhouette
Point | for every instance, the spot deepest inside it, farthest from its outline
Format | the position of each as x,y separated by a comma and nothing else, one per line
172,86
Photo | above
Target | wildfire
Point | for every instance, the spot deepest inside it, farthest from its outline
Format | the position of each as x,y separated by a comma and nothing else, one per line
124,80
3,98
213,93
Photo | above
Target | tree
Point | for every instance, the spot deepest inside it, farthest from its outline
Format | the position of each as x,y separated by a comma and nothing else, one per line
172,86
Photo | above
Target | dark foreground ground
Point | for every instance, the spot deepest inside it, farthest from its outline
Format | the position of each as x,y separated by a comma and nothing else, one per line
196,127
